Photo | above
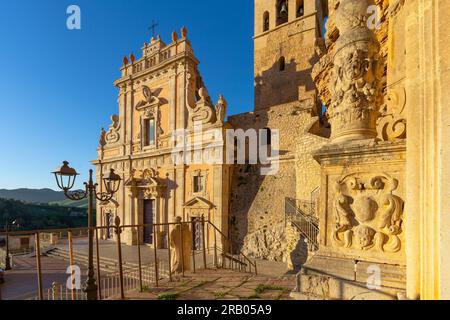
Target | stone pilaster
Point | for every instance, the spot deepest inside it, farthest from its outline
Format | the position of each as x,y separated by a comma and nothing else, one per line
428,153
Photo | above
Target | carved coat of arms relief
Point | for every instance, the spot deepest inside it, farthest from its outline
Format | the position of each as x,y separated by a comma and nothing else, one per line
367,214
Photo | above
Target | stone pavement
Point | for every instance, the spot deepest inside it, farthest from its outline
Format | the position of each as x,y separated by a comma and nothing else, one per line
219,285
108,249
21,282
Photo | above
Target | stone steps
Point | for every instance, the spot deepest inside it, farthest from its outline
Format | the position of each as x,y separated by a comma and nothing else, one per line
106,264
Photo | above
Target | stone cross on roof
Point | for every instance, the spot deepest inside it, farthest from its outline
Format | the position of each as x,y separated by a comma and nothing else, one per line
153,27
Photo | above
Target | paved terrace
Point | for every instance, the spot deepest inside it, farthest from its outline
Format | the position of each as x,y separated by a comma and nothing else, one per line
108,249
219,285
272,282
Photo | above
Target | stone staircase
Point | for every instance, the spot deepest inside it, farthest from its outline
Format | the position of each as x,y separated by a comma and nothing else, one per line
107,265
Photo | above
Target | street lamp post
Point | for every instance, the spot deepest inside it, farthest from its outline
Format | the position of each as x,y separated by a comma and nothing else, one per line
7,259
65,178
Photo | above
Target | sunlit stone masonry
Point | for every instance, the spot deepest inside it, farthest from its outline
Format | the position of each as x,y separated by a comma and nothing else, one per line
359,200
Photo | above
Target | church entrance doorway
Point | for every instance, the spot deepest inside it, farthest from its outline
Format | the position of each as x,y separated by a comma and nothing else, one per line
149,218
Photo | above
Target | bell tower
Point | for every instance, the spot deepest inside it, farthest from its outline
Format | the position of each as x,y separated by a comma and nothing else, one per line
285,34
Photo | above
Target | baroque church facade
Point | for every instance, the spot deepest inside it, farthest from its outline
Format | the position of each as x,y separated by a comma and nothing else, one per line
161,95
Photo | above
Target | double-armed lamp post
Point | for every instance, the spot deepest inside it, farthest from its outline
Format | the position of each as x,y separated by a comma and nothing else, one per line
7,258
65,178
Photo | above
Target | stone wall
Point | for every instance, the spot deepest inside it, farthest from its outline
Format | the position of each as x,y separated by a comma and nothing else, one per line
257,215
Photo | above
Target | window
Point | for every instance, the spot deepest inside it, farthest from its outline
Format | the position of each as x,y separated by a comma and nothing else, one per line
266,22
282,12
282,64
198,184
149,132
300,8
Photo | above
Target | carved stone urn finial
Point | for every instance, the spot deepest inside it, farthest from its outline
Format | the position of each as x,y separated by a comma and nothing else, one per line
174,36
184,32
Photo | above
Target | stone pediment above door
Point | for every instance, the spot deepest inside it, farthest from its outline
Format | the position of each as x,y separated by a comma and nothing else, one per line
199,203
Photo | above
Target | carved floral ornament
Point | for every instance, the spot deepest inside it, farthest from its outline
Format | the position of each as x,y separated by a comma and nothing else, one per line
367,215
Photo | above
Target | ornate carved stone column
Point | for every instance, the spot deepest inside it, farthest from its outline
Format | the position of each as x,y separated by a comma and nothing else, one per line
355,77
361,208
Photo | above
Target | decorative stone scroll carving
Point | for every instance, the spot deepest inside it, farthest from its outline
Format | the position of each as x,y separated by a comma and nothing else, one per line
203,112
356,75
392,122
113,135
368,216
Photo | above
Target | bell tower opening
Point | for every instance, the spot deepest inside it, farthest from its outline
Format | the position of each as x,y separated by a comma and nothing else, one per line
266,21
300,8
282,12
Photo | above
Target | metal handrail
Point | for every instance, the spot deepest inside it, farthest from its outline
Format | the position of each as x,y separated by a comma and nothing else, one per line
307,224
253,264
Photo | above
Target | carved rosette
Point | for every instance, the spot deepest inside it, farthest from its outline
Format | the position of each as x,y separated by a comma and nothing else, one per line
367,215
356,76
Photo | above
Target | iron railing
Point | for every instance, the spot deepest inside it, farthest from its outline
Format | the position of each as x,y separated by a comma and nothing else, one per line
214,243
300,214
109,285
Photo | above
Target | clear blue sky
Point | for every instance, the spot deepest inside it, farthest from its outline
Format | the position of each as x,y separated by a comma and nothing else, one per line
56,85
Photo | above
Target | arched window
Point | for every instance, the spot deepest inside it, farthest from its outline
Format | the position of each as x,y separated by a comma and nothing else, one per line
266,21
282,64
300,8
282,12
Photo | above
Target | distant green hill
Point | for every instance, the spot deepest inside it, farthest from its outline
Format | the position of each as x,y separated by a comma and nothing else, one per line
70,203
37,216
41,196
